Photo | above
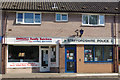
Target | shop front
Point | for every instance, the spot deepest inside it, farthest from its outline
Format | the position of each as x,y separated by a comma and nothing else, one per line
64,55
32,55
86,55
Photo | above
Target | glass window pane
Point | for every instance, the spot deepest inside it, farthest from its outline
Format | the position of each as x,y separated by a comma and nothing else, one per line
58,17
28,17
101,19
44,58
70,66
85,19
98,53
37,18
70,54
88,53
20,17
23,53
53,57
93,19
107,53
64,16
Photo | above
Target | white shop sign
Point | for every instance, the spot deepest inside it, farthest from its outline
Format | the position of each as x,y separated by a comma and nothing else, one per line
87,41
31,40
48,40
22,64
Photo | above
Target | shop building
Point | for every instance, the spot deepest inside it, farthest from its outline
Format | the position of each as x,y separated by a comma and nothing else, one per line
59,37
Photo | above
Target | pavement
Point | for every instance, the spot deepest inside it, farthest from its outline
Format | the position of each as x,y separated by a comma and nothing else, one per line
61,75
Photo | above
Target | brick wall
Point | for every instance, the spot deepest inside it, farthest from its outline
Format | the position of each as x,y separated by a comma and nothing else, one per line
62,59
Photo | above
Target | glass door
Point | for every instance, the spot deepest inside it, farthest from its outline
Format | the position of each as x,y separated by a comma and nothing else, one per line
44,61
70,59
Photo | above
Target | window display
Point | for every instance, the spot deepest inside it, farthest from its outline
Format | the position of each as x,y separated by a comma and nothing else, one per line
108,53
98,53
23,53
88,53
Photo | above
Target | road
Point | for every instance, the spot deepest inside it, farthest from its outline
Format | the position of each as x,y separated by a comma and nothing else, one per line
67,79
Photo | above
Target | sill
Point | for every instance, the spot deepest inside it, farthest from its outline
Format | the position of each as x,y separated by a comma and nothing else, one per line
61,21
84,25
28,23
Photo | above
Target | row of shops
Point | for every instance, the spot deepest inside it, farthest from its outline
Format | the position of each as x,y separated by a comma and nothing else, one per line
64,55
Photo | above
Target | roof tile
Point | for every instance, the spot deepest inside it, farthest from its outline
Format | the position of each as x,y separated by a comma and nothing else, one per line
96,7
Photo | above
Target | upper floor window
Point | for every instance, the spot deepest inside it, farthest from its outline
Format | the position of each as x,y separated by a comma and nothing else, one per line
28,18
93,20
61,17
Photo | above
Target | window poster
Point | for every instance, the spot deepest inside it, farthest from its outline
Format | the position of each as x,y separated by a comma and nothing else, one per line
88,55
70,58
71,54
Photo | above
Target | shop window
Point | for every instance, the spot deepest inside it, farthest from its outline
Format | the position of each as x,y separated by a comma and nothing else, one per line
98,54
107,53
61,17
89,53
28,18
93,20
53,56
23,54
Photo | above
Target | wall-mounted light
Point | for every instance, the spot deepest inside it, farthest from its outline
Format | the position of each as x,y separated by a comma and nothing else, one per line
81,32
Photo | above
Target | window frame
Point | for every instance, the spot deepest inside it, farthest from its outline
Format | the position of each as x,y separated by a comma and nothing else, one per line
93,24
94,54
61,17
24,18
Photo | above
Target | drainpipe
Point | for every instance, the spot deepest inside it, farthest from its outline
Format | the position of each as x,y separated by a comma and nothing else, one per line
4,22
1,42
115,57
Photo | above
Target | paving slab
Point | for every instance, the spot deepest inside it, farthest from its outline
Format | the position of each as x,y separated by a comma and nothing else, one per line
59,75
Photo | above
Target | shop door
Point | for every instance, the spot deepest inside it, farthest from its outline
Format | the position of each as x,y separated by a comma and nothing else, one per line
70,59
44,60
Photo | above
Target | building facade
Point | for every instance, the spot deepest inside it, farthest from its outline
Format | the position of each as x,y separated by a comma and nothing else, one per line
60,37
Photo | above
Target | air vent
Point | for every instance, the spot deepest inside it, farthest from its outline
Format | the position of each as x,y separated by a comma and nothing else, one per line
84,7
54,6
116,8
63,7
106,8
9,29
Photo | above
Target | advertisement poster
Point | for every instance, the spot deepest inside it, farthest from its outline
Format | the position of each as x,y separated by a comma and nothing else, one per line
22,64
88,55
